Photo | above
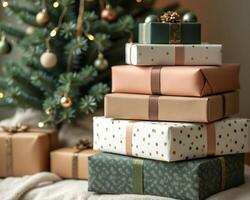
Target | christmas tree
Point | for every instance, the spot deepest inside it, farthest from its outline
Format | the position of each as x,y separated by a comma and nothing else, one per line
67,49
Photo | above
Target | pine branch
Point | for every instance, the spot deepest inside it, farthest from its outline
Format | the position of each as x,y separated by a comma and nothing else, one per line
98,91
11,30
17,8
16,96
28,18
88,104
43,81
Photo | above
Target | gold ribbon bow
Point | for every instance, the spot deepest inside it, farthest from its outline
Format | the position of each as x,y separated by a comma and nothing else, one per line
80,146
171,17
83,144
15,129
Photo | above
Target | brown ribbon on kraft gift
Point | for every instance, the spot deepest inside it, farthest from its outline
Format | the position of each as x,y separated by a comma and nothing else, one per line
153,107
11,130
155,75
80,146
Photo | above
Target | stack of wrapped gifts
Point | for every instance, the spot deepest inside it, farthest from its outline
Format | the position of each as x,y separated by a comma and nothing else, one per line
166,130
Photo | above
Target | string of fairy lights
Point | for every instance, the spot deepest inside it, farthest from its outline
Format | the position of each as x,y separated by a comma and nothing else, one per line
48,59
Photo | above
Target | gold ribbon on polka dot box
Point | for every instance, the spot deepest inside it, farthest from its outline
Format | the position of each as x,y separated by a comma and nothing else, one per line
172,54
169,141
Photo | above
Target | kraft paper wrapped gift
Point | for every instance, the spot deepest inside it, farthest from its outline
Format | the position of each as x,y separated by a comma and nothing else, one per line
71,162
184,180
170,54
176,81
170,141
171,108
169,33
25,151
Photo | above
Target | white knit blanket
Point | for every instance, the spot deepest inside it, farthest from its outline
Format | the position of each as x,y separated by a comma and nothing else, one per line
48,186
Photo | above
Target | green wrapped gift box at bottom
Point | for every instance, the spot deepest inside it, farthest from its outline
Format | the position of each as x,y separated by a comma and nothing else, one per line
189,180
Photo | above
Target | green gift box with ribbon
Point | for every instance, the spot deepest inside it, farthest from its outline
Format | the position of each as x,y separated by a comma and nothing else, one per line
185,180
169,33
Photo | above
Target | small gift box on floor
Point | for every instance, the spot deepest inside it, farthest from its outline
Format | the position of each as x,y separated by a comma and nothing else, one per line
184,180
25,150
72,162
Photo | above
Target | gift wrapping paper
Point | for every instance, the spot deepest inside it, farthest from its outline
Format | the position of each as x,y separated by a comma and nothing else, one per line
176,81
170,141
169,33
184,180
26,152
171,54
70,162
171,108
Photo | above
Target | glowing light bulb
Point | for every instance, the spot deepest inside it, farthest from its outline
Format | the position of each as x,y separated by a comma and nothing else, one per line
91,37
138,1
5,4
41,124
53,32
1,95
56,4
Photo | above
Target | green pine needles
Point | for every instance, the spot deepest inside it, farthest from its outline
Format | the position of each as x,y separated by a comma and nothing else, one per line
74,86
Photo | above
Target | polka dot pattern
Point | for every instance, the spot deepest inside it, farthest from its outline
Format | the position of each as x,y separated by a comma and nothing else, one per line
168,141
164,54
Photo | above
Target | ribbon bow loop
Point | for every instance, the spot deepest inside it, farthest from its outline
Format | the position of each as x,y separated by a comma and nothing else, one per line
83,144
171,17
15,129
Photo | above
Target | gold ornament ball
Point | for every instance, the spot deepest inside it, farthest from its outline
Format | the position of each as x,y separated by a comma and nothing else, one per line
101,63
42,17
109,14
5,46
66,102
48,59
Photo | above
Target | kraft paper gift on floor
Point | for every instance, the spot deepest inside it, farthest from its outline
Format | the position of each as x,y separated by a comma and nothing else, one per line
171,108
170,54
176,81
71,162
185,180
169,141
25,151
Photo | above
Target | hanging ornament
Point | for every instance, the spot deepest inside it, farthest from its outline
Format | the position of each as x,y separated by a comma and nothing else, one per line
109,14
152,18
5,46
189,17
101,63
48,59
42,17
66,101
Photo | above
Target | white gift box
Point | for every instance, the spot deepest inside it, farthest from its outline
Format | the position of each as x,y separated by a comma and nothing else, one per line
170,54
168,141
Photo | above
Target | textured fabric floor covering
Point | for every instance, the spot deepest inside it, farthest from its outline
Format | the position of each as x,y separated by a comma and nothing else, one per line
48,186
